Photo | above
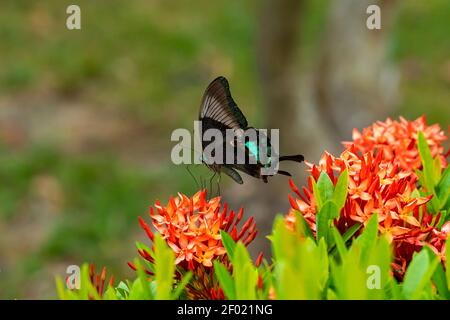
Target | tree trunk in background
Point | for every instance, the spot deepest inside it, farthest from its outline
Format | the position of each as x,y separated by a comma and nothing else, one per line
302,130
355,83
277,61
277,37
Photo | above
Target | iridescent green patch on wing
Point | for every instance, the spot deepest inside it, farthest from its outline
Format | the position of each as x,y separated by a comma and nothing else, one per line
254,150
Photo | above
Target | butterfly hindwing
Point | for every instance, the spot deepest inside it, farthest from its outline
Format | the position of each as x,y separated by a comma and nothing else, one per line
232,173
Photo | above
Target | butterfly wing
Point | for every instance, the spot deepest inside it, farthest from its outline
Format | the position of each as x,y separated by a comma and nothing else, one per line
229,171
218,105
253,170
219,111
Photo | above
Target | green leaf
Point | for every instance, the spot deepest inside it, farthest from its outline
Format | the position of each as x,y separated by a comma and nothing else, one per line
325,186
331,295
280,238
228,244
440,281
302,226
340,244
418,275
244,273
443,187
265,271
349,277
183,283
317,196
341,189
428,170
368,237
438,276
322,261
60,289
87,289
225,280
164,268
427,161
142,288
301,269
328,211
347,236
447,261
137,291
351,231
122,290
110,294
437,168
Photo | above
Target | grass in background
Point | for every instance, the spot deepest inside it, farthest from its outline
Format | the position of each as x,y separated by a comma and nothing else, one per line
149,58
421,46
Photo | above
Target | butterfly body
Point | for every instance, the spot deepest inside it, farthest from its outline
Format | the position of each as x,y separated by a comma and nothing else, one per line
219,111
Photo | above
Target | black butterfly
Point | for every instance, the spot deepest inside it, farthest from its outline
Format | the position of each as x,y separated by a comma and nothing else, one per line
219,111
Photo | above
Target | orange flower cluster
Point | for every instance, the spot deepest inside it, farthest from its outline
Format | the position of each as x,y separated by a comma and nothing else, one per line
398,141
380,182
191,227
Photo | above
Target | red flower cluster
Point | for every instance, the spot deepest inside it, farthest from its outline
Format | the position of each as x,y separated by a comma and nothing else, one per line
191,227
381,180
398,141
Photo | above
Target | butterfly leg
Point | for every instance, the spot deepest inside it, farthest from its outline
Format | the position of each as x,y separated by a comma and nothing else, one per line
218,183
201,183
192,175
284,173
211,181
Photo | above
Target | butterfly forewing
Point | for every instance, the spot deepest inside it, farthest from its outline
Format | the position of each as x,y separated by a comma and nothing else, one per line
219,106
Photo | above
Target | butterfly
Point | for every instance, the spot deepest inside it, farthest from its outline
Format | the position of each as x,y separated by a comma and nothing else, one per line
219,111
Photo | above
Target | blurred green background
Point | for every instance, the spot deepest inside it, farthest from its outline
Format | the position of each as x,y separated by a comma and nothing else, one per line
86,115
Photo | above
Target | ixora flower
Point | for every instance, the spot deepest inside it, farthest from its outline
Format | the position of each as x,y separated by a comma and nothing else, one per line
374,185
398,141
191,227
99,280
